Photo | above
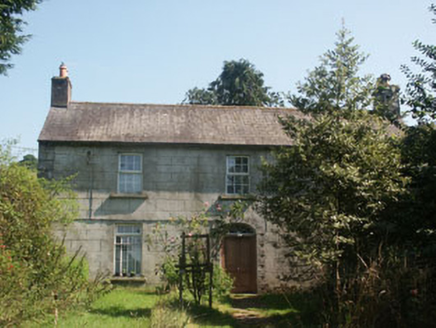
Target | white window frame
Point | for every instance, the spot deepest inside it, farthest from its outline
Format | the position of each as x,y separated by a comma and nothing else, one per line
132,235
133,172
247,174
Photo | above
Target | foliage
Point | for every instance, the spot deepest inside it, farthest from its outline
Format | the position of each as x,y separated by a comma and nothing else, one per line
335,83
37,275
197,96
333,185
195,248
11,26
419,158
29,161
358,202
222,282
421,88
239,84
386,99
171,245
330,194
390,291
419,155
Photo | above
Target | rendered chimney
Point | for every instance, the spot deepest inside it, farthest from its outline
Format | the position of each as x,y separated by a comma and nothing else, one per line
61,88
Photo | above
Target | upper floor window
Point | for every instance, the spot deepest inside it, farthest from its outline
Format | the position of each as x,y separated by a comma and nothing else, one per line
130,173
237,177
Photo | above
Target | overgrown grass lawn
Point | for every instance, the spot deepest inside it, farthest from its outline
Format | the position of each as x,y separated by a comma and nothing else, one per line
122,307
132,307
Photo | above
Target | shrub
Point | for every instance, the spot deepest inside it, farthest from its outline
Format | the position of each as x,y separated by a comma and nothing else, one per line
37,277
222,282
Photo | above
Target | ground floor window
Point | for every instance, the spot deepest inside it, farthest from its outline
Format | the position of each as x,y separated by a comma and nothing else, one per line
128,250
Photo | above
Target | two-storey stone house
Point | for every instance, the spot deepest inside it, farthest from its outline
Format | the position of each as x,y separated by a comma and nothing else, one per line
139,164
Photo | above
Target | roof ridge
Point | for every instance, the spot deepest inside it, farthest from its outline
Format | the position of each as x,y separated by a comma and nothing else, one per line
184,105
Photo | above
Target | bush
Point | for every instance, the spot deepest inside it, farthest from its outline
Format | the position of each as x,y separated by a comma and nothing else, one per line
169,274
37,277
222,282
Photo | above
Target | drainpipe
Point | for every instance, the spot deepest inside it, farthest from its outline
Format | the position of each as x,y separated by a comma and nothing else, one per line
91,181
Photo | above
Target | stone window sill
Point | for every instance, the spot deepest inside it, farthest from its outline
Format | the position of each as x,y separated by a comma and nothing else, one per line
131,279
237,197
128,196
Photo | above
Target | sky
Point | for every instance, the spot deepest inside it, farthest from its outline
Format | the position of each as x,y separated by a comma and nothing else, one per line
153,51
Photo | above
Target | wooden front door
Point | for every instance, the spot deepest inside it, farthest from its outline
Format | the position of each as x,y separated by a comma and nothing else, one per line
239,260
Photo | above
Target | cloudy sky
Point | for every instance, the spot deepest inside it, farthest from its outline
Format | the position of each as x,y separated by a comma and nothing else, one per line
150,51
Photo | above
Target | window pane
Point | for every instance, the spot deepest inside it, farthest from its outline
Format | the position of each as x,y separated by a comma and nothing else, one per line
231,164
117,259
238,189
128,229
130,163
129,183
136,165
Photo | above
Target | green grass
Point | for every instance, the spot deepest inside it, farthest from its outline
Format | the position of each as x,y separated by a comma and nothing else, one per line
283,310
219,316
122,307
132,307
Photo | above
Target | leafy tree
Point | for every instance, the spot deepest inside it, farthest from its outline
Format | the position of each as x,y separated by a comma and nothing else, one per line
329,189
196,96
419,148
335,83
239,84
387,100
29,161
11,26
329,193
419,157
421,88
332,190
343,166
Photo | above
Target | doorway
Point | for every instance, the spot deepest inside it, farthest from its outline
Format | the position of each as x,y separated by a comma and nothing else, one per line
239,258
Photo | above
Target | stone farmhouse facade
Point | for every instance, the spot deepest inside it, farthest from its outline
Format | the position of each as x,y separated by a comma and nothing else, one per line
136,165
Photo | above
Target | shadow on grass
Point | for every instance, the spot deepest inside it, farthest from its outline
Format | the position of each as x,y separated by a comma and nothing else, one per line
295,310
205,316
297,302
136,290
116,311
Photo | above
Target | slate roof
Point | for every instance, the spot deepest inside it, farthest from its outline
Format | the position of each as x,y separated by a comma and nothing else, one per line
175,124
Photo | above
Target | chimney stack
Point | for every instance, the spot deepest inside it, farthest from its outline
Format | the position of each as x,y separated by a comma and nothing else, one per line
61,88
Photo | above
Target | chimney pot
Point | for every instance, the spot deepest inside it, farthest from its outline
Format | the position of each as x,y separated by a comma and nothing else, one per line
63,70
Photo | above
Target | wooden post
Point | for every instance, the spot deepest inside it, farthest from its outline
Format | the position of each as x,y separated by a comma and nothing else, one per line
210,284
210,267
182,263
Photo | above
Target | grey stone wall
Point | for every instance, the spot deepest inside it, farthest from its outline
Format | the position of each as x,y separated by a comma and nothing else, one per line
177,180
